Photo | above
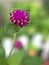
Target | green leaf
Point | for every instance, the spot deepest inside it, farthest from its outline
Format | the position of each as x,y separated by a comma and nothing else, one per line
1,33
46,5
32,60
16,58
2,56
3,61
11,28
2,51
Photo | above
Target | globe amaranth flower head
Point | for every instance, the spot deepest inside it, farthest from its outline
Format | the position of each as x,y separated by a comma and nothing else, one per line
18,44
19,17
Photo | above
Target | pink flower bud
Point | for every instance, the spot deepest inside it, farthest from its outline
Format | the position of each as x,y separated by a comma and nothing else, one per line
19,17
18,44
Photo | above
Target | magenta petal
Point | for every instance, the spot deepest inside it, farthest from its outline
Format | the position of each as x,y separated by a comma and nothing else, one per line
18,44
19,17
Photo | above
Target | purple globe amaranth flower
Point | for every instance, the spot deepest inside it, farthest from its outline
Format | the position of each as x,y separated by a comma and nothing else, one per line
19,17
18,44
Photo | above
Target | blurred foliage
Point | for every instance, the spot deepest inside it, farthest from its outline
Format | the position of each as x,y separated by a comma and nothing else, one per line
3,61
2,56
21,5
1,8
28,30
32,60
2,18
16,58
2,51
32,47
38,18
37,15
2,21
10,29
46,5
39,22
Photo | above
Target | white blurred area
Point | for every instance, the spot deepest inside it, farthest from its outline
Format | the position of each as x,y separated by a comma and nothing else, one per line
36,40
7,44
24,39
45,53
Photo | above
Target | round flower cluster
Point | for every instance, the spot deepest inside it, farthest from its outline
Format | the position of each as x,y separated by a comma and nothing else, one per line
18,44
19,17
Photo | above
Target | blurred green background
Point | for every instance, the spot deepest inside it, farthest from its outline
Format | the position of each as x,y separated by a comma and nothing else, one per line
39,18
38,11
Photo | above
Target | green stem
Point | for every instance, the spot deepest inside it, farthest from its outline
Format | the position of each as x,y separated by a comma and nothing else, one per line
14,38
29,42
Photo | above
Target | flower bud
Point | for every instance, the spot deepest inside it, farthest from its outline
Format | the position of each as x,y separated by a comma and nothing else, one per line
18,44
19,17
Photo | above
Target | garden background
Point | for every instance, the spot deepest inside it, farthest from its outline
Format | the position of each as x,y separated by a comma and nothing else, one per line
37,31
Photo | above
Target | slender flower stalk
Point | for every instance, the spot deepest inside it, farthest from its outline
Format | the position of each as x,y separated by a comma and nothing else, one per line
14,38
19,18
